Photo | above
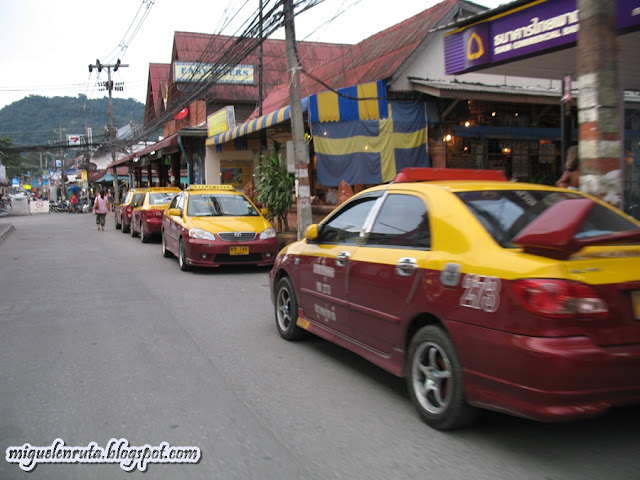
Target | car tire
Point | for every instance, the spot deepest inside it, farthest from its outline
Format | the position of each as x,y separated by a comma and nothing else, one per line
118,225
165,253
286,309
182,257
435,380
144,238
125,228
132,230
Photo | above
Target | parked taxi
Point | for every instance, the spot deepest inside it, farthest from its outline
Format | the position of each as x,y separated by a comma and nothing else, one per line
122,212
146,217
483,293
213,225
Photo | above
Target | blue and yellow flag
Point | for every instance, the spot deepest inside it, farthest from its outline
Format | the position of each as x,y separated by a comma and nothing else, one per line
370,151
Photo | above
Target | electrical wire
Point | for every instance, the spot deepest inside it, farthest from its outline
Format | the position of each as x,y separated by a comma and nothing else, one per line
128,38
237,47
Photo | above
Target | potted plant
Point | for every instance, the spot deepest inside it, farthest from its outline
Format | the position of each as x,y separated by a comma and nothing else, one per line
275,190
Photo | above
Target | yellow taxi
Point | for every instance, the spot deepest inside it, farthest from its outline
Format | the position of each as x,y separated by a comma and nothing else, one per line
482,293
122,212
146,217
213,225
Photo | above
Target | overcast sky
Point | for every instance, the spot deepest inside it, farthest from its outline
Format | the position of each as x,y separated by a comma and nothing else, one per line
47,45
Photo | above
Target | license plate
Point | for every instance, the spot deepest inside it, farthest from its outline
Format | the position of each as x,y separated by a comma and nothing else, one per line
635,299
239,250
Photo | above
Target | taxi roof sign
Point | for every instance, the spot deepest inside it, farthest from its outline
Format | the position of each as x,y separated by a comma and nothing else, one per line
159,189
423,174
211,187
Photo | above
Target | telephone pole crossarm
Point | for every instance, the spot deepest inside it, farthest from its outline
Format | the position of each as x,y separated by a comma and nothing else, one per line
109,86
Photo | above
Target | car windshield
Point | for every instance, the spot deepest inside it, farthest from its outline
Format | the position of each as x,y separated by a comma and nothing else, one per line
504,213
161,198
210,205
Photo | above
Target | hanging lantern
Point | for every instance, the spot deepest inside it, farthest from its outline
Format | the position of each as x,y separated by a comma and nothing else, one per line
181,114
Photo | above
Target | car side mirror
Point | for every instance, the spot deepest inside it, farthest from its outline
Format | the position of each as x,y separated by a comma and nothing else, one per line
311,233
264,212
174,212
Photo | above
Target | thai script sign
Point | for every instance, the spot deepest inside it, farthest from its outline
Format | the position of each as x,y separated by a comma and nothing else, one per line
530,30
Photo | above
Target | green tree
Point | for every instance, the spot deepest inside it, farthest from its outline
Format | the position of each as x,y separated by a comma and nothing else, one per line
275,190
11,160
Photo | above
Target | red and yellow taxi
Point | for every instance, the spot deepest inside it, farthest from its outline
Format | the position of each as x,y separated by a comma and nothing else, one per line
213,225
146,217
123,211
483,293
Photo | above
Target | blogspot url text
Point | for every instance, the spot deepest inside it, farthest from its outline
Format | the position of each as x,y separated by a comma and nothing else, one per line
117,451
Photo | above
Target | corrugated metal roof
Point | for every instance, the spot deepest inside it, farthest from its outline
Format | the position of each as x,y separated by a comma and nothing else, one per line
480,88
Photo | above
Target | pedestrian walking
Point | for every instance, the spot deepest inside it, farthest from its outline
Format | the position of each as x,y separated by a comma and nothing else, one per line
74,203
101,208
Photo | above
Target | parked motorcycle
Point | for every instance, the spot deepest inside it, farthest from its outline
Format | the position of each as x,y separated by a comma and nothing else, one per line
61,206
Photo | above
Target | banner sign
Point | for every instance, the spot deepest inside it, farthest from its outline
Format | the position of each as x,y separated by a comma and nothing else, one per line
221,121
198,72
75,140
39,206
628,13
529,30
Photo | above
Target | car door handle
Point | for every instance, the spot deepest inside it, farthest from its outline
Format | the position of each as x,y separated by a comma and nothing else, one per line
342,259
406,266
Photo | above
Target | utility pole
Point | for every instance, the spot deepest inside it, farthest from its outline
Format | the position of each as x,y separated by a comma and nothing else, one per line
109,86
297,123
601,102
63,169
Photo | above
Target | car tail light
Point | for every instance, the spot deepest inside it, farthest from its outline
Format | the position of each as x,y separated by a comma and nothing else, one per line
152,213
560,298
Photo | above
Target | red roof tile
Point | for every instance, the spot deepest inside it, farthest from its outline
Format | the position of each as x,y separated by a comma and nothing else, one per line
198,47
156,90
375,58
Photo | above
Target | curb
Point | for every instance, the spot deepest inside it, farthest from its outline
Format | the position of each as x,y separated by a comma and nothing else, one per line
5,231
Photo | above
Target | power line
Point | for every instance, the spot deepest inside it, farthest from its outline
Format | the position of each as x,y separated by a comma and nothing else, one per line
128,37
236,50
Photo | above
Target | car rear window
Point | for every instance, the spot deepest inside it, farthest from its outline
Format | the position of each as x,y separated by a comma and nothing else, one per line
504,213
136,201
160,198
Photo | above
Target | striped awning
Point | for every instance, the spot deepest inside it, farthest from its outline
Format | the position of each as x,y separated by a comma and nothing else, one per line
256,124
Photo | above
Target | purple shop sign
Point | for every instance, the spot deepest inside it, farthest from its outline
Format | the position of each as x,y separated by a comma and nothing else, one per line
530,30
540,27
628,13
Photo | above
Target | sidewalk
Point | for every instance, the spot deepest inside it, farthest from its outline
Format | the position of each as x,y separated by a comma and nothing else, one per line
5,230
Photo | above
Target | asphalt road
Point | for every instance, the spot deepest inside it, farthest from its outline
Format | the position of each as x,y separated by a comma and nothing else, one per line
102,338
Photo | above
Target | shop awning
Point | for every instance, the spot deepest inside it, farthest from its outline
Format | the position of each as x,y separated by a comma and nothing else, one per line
256,124
170,141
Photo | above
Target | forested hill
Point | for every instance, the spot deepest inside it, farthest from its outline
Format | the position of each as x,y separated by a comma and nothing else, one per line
38,120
